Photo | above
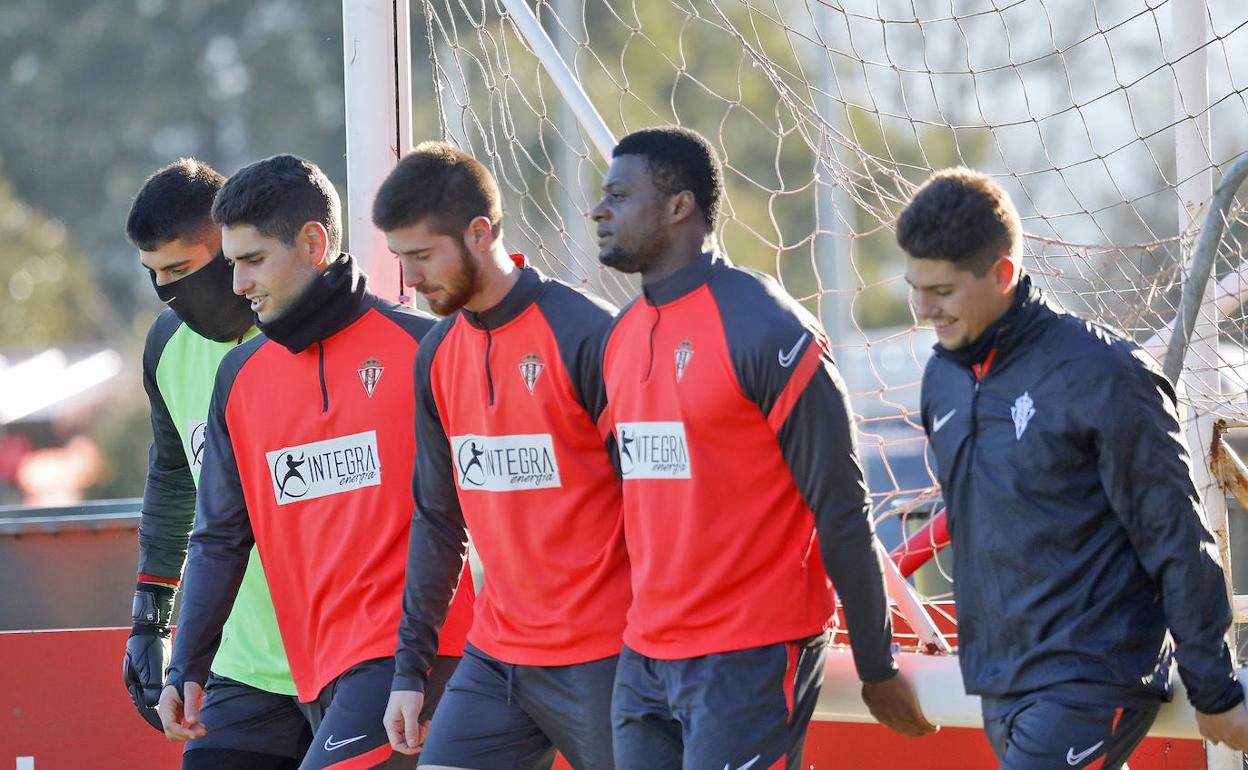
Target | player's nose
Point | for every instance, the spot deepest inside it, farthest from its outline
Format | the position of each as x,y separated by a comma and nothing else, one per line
242,283
924,307
412,278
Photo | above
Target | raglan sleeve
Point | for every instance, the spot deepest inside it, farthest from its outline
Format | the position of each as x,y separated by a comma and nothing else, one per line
220,544
581,327
1147,474
784,363
169,491
438,540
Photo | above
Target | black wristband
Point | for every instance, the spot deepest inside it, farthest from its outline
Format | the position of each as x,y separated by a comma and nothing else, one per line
152,611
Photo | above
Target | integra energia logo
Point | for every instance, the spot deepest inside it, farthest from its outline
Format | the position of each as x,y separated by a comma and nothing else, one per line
322,468
505,463
197,430
653,450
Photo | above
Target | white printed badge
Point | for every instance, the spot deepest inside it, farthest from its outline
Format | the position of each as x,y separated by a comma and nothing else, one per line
505,463
196,430
653,450
322,468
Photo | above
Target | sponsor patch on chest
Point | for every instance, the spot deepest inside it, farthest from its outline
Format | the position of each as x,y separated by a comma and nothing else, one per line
323,468
505,463
653,450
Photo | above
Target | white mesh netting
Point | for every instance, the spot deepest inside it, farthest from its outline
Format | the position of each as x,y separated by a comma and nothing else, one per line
828,113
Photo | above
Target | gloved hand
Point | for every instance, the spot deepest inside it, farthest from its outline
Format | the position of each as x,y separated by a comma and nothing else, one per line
147,649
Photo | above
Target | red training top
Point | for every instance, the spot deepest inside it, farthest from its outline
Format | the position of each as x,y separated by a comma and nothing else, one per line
308,453
739,466
510,449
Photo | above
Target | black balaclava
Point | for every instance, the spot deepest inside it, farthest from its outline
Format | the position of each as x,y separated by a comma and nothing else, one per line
206,302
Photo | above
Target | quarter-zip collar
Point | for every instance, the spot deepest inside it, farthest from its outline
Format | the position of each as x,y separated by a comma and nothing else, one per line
685,280
1004,334
336,298
527,290
681,283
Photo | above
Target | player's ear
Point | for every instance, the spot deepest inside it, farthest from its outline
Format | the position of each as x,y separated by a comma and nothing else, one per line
479,236
1005,273
312,243
681,206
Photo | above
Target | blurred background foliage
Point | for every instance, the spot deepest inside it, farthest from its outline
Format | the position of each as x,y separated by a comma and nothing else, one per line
95,96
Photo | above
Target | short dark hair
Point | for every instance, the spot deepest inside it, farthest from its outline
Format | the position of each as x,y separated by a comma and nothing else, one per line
175,203
439,184
961,216
278,196
679,159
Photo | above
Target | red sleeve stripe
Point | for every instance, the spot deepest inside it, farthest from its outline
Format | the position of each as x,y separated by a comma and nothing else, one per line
164,581
797,383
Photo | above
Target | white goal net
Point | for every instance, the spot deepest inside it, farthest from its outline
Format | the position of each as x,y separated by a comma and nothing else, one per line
1099,118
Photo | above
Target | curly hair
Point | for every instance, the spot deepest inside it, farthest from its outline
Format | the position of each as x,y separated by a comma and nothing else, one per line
679,159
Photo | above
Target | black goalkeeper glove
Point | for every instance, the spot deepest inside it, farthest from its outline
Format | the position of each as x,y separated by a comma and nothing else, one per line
147,649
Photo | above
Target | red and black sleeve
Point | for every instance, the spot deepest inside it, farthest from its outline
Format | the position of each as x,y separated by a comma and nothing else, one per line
438,542
580,324
783,363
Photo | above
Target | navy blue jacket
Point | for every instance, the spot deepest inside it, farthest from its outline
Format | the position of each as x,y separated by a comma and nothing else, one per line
1078,534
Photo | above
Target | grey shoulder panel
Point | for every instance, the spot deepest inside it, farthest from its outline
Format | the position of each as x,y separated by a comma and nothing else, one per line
767,331
579,322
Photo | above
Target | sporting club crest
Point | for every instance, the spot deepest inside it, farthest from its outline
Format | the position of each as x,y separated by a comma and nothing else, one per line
370,372
1022,412
530,369
684,354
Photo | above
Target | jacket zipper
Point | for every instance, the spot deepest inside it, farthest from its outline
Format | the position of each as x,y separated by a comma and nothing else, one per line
979,372
489,379
974,420
653,327
320,347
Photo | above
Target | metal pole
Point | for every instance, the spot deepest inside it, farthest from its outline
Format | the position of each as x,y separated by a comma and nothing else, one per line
1196,282
572,211
941,692
1194,166
522,16
378,90
833,208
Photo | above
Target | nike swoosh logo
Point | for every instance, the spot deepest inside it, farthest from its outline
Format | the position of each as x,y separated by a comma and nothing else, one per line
1073,759
332,745
939,422
757,757
786,360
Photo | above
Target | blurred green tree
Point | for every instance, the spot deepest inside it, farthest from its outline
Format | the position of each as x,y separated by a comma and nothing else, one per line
98,95
48,291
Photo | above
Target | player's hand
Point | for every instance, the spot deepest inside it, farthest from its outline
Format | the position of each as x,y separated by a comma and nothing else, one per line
1229,727
147,649
894,705
147,657
402,721
179,717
